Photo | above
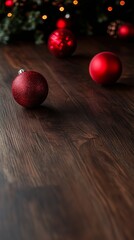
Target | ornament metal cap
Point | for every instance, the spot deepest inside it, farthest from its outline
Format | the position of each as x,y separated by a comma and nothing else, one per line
21,71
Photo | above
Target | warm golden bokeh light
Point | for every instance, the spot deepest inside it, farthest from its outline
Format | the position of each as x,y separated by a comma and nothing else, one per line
44,17
75,2
61,9
9,15
110,9
122,3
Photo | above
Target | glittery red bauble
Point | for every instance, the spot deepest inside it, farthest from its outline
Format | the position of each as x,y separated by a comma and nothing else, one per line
62,43
9,3
63,23
29,89
126,31
105,68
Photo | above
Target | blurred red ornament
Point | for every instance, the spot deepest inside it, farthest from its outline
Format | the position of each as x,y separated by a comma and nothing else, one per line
126,31
9,3
105,68
62,43
29,89
63,23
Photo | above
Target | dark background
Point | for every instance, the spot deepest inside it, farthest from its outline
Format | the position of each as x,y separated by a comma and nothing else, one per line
91,10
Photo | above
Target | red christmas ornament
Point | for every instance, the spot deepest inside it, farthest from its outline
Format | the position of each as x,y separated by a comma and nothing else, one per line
63,23
126,31
9,3
62,43
105,68
29,89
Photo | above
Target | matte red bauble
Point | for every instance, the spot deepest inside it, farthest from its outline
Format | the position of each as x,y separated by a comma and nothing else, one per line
63,23
62,43
126,31
105,68
29,89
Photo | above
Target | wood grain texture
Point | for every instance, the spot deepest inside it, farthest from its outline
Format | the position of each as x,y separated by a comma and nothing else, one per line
67,167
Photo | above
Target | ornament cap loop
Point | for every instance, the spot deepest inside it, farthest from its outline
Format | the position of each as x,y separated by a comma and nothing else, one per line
21,71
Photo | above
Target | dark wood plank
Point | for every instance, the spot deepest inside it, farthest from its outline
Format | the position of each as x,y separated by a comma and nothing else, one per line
67,168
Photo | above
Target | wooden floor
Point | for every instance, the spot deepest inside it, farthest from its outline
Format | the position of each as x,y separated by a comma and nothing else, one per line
67,167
